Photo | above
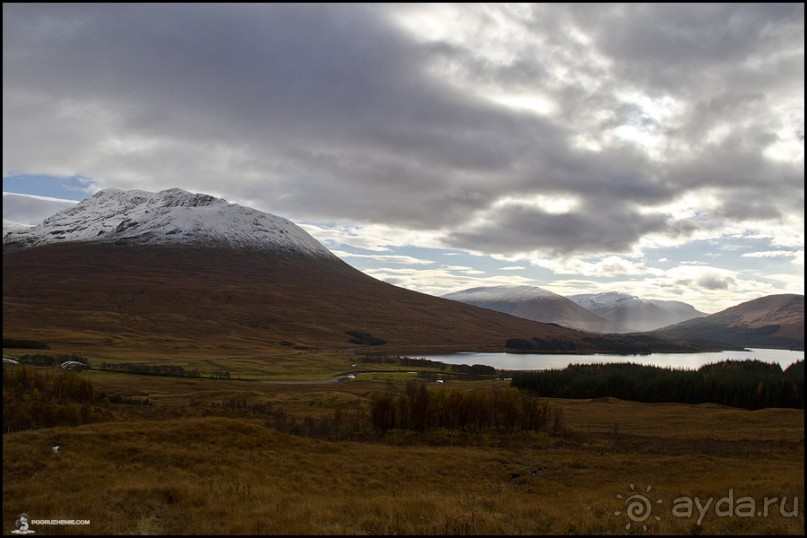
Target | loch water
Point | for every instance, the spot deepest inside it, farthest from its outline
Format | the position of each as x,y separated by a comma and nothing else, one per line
687,361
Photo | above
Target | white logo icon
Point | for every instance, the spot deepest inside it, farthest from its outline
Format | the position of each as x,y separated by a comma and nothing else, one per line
639,507
22,525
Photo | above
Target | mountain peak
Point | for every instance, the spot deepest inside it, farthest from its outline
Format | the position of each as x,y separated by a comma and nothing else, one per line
172,216
636,313
606,298
173,197
534,303
500,293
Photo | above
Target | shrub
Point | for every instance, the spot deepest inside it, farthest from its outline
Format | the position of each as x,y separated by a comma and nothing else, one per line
364,339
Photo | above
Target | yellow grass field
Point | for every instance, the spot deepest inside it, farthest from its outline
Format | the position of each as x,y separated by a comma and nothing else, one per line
189,464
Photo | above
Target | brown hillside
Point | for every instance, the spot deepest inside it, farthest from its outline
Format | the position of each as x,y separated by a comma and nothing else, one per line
214,300
786,311
774,321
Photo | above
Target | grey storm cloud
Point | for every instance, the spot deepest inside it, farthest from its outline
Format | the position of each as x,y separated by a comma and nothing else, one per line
337,112
712,282
663,46
592,231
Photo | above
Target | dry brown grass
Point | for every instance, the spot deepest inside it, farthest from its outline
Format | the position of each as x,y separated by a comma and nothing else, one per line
214,475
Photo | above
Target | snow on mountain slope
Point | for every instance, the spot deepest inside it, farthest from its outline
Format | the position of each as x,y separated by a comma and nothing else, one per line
172,216
13,227
501,293
537,304
615,299
608,299
634,313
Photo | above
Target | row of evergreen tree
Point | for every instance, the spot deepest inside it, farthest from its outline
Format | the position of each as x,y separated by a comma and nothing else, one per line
364,338
750,384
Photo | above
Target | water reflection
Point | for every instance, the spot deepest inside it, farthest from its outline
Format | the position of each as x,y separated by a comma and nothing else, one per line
689,361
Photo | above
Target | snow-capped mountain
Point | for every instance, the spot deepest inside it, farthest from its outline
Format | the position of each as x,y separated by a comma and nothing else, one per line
172,216
610,312
109,271
13,227
513,294
537,304
634,313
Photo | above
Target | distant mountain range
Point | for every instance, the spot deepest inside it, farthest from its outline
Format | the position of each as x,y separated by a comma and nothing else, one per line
634,314
775,321
537,304
177,272
604,312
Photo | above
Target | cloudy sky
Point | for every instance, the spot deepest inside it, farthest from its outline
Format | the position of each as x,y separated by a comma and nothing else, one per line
654,149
